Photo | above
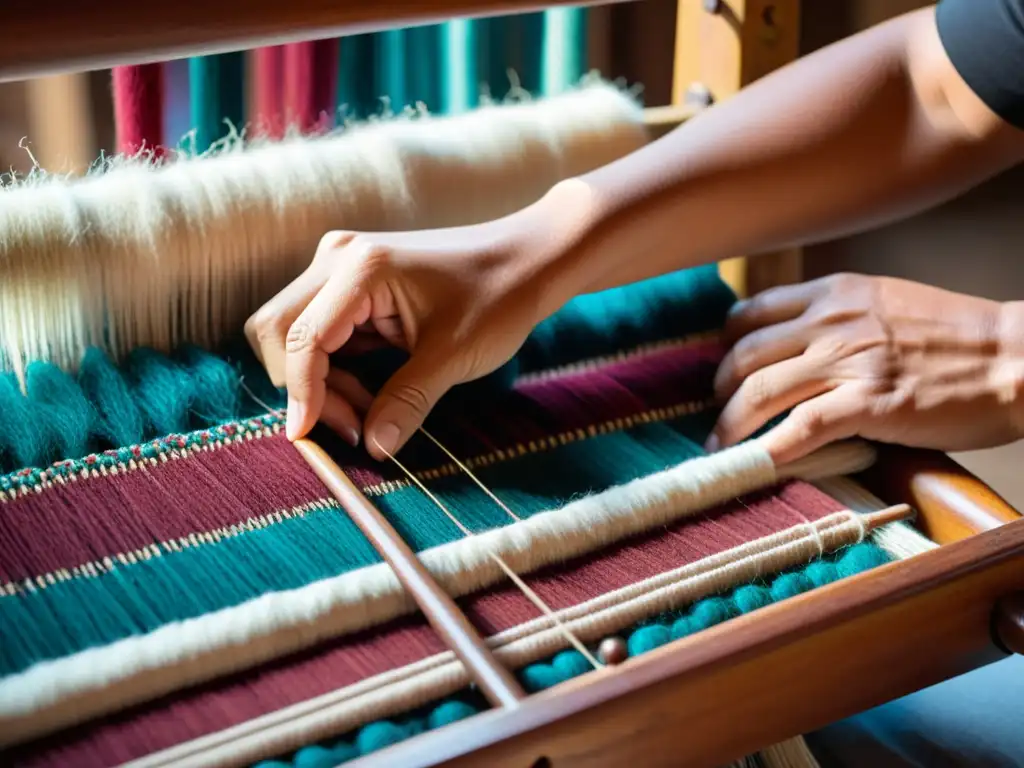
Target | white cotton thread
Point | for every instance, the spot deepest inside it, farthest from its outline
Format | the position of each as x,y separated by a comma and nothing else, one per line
429,679
899,539
141,254
189,652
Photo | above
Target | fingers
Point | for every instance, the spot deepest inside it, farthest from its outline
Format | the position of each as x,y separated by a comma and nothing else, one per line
759,349
405,400
764,395
348,386
338,414
320,329
776,305
267,330
833,416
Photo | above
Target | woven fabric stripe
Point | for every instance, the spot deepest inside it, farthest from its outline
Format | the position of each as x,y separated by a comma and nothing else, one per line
348,660
151,395
140,545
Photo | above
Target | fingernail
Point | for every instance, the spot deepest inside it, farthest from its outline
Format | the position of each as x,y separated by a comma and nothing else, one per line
296,416
712,443
351,436
386,437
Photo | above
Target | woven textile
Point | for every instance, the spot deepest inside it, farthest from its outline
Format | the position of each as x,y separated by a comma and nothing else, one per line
197,505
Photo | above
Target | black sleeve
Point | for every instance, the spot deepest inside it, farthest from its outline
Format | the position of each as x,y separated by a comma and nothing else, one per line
985,41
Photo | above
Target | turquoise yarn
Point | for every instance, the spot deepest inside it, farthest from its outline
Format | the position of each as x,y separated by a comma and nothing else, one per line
315,757
861,557
648,638
450,712
151,394
118,419
790,585
566,665
753,596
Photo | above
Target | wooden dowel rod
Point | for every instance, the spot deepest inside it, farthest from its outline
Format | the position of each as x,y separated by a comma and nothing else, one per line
496,682
952,504
60,36
893,514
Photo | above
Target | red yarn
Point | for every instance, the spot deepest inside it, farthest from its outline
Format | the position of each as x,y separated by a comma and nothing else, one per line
139,108
268,112
311,83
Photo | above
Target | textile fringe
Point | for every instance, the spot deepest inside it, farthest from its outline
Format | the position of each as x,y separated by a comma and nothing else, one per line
792,753
430,679
144,254
899,539
58,693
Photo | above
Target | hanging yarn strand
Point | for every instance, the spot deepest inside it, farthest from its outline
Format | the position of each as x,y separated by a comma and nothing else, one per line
532,596
138,254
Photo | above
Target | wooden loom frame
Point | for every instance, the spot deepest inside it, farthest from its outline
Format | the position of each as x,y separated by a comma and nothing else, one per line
743,685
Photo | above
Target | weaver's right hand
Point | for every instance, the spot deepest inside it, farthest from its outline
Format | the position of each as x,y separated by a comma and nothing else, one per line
461,301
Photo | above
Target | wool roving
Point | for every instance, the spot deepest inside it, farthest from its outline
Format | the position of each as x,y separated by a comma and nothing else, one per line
141,253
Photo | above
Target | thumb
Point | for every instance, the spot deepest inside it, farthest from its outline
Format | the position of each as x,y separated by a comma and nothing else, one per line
404,402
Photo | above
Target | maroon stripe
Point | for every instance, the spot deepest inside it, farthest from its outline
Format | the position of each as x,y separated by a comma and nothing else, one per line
536,410
231,701
107,515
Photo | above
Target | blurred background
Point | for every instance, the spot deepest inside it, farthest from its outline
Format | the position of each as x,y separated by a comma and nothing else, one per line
68,121
973,245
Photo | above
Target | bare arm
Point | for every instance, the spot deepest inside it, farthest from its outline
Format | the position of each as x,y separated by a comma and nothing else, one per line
871,129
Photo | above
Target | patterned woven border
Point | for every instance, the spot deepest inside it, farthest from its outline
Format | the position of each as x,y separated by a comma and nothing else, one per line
35,479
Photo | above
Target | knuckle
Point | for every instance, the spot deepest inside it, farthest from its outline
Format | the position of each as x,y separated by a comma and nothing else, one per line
373,256
841,282
337,238
299,338
833,348
413,396
759,391
808,420
743,356
251,329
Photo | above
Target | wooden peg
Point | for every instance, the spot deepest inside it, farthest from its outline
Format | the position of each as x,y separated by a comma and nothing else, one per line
1009,622
496,682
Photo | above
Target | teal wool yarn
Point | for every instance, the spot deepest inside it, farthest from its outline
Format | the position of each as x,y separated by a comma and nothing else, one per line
568,664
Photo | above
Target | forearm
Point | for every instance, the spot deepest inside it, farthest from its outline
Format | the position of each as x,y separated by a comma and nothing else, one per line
866,131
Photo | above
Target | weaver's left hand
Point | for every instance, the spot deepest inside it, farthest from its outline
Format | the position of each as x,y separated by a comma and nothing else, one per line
879,358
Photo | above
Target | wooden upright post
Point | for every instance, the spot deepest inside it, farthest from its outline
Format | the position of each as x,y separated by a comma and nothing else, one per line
721,46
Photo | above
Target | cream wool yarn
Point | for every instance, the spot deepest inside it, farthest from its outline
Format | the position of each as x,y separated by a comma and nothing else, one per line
62,691
139,254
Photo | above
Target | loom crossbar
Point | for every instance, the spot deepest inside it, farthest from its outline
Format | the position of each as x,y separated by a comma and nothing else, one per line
69,35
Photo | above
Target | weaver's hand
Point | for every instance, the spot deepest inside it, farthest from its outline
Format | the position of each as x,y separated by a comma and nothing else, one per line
879,358
461,301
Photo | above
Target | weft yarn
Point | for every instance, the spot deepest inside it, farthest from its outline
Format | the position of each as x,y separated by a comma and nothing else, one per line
63,691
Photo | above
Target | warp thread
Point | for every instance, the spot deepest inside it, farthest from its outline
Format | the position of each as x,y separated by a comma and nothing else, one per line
707,592
231,639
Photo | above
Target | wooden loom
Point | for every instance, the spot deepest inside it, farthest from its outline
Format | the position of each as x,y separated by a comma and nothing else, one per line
933,616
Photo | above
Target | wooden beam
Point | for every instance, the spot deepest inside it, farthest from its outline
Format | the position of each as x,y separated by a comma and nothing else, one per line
722,46
58,36
662,120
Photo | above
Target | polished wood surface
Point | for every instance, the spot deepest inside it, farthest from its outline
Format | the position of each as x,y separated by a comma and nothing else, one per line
951,502
497,682
72,35
787,669
662,120
1009,622
792,667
